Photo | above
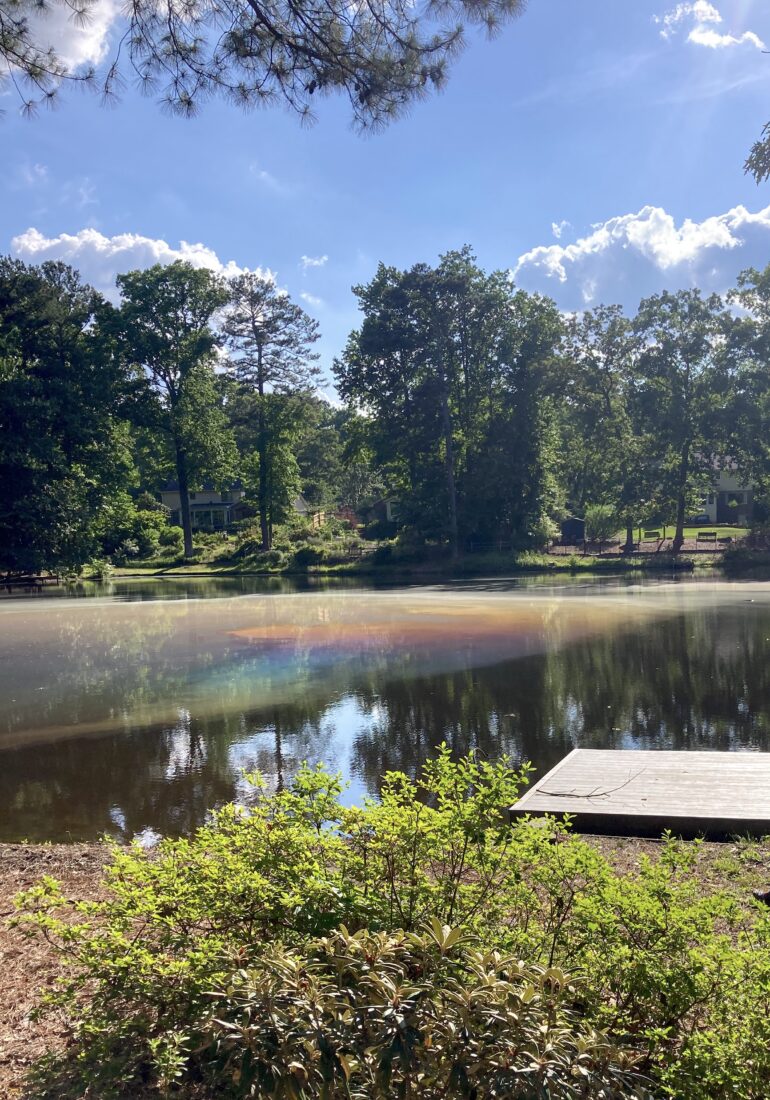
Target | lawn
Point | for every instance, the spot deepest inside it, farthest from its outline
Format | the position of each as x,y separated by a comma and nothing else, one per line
690,532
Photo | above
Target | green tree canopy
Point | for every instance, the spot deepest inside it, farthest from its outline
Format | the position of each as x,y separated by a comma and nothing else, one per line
448,366
747,413
681,390
608,445
62,448
163,331
271,339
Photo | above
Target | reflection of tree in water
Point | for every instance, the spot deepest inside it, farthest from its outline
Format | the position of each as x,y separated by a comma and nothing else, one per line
164,779
699,680
94,663
120,784
695,681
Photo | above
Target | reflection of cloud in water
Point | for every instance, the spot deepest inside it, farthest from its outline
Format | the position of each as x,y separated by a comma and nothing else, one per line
276,753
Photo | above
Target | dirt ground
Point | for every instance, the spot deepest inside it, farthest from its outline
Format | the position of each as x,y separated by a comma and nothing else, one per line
28,967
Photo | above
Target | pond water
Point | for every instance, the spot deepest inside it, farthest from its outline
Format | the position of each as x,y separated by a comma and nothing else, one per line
133,708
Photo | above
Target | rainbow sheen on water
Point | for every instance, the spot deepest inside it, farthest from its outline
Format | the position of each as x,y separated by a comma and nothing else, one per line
134,718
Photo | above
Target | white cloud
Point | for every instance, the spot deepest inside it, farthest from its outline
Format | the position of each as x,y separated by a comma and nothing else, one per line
557,228
311,299
99,258
76,42
706,36
700,11
702,16
632,255
312,261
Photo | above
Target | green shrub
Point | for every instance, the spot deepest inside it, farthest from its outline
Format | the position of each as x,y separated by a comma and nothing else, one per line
207,540
100,569
676,975
429,1015
602,522
172,539
271,559
543,532
307,555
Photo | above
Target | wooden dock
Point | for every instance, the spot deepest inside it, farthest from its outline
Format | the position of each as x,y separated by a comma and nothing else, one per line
633,793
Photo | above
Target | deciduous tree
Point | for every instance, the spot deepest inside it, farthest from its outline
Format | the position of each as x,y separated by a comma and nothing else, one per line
164,331
681,389
271,339
62,447
448,367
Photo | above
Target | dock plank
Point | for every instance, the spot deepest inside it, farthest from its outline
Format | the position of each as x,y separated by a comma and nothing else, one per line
641,793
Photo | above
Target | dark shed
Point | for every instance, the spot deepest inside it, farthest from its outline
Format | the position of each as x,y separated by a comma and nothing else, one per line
573,530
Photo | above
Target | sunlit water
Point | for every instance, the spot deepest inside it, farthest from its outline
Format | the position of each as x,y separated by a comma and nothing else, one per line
134,711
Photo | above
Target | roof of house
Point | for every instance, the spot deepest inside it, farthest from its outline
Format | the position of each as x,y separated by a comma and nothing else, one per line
207,487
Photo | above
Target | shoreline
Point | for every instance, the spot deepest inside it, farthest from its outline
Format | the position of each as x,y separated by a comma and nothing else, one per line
464,569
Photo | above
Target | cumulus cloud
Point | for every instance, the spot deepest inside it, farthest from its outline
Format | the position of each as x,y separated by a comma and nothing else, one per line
632,255
312,261
77,43
557,228
700,11
701,17
99,258
707,36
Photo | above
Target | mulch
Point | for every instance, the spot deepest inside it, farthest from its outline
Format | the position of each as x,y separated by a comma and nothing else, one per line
30,966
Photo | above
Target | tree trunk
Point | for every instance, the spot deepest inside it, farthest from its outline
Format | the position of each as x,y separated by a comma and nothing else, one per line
263,495
184,500
629,543
681,499
449,467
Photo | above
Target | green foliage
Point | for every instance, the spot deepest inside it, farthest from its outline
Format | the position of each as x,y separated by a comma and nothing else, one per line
271,339
305,556
62,450
126,531
171,539
450,371
162,333
430,1014
680,387
601,522
380,938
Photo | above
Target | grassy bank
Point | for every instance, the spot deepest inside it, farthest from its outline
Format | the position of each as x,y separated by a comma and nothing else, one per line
470,565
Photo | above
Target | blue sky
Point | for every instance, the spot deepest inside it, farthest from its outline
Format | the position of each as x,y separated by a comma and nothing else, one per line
594,149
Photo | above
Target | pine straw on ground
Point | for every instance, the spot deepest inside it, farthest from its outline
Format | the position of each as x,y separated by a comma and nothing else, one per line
29,967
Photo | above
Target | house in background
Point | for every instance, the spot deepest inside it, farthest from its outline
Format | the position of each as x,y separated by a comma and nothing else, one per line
211,509
730,501
384,510
315,516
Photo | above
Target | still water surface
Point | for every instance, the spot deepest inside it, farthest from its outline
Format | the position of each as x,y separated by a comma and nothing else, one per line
134,708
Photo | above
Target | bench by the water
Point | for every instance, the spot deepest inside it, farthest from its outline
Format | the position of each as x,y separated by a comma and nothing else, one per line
706,536
638,793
